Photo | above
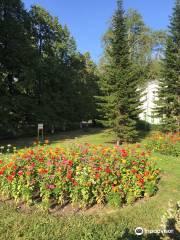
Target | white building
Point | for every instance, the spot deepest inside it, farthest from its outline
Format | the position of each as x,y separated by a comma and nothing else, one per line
148,103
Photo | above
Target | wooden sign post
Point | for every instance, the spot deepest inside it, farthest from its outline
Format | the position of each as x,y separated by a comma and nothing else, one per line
40,130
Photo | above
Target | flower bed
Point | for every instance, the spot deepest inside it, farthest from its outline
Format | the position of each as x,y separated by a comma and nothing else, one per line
167,144
85,174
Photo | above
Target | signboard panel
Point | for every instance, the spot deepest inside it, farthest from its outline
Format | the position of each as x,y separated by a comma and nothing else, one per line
40,126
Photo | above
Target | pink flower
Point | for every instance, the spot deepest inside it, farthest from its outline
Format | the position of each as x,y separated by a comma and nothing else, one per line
20,173
49,163
51,186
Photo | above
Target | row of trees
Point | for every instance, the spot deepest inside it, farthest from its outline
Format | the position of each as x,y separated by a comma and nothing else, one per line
131,59
43,78
134,54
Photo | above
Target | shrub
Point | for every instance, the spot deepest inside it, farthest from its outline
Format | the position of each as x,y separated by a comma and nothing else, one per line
85,174
167,144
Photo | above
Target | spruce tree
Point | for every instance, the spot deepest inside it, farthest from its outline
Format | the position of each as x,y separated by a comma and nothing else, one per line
169,93
122,100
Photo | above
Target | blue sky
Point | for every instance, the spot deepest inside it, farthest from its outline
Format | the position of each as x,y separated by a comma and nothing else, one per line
88,20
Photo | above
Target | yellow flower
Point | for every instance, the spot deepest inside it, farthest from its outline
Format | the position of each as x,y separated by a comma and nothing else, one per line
151,177
123,161
115,189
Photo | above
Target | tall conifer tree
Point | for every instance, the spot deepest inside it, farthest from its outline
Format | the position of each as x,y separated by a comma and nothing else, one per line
169,94
122,100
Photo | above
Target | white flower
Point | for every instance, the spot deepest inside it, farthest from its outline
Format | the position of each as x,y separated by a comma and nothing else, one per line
9,145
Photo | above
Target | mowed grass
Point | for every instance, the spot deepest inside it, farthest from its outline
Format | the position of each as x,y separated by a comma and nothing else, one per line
107,223
90,135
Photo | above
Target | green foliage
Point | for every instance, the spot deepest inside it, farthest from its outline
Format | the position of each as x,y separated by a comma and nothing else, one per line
149,189
114,199
146,47
43,78
167,144
15,50
169,95
120,99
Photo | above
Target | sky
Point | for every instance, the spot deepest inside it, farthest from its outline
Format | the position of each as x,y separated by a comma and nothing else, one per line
88,20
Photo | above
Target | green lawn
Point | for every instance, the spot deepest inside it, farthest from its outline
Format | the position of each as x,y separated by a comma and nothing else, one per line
106,223
91,135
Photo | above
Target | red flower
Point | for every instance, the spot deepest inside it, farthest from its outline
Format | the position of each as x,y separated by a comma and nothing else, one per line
70,163
10,178
97,176
41,159
31,152
13,174
123,153
98,168
15,167
1,172
20,173
108,170
134,171
1,161
33,165
69,175
141,181
75,183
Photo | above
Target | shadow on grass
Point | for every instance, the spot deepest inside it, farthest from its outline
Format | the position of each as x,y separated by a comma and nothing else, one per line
142,135
55,138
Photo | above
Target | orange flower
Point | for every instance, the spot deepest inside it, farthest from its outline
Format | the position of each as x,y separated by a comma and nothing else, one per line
10,164
28,173
42,171
138,176
146,173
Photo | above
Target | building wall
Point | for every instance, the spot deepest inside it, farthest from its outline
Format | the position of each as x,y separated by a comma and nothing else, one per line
149,98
